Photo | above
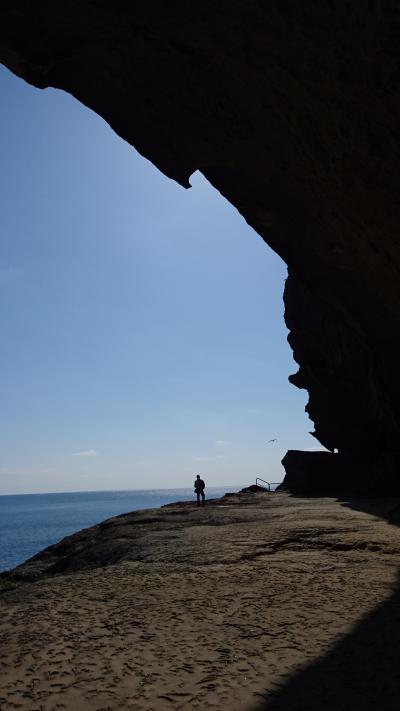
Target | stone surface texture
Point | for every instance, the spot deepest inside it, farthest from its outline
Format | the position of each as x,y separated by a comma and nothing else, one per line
256,602
291,111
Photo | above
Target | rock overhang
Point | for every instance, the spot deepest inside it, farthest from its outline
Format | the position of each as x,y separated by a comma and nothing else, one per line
291,111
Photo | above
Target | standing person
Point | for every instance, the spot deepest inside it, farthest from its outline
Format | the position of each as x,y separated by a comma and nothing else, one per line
199,487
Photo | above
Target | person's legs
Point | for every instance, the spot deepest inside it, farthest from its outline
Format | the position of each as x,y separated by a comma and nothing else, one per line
198,497
203,497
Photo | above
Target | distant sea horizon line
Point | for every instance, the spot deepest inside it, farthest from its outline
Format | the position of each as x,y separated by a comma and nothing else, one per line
99,491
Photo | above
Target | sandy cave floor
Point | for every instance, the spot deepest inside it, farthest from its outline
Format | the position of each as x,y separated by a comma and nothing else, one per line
216,614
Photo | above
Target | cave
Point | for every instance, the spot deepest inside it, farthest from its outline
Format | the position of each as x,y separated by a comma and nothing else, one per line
290,111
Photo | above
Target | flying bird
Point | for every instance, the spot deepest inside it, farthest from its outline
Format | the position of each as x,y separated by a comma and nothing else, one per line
273,440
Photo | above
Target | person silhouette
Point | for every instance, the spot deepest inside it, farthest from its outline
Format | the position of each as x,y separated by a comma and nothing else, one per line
199,487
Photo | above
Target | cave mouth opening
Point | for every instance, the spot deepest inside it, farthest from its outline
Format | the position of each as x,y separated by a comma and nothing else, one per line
143,324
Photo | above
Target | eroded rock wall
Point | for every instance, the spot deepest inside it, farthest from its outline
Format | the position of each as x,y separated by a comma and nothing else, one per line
351,410
290,109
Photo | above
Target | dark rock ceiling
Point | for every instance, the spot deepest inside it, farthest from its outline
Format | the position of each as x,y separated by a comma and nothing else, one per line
291,111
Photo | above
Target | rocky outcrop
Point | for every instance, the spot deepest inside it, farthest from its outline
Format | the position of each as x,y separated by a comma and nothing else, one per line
136,536
324,474
352,412
291,111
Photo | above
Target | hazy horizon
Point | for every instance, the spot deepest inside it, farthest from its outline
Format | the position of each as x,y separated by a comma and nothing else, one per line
109,491
142,324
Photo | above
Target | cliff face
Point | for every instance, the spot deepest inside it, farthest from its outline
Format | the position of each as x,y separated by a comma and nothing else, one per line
291,111
348,403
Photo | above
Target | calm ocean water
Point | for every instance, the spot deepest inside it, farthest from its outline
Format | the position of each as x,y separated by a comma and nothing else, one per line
31,522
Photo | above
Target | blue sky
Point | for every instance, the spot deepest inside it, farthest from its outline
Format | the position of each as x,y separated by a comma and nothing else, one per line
141,323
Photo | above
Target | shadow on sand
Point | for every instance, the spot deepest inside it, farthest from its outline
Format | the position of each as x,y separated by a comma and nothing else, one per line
361,672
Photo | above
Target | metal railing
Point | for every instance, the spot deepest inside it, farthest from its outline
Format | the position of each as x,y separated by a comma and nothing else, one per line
267,483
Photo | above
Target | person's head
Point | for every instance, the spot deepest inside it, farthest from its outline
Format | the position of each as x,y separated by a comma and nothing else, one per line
198,476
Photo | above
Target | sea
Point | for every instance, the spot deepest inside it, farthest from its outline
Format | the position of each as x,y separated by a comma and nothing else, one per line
31,522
